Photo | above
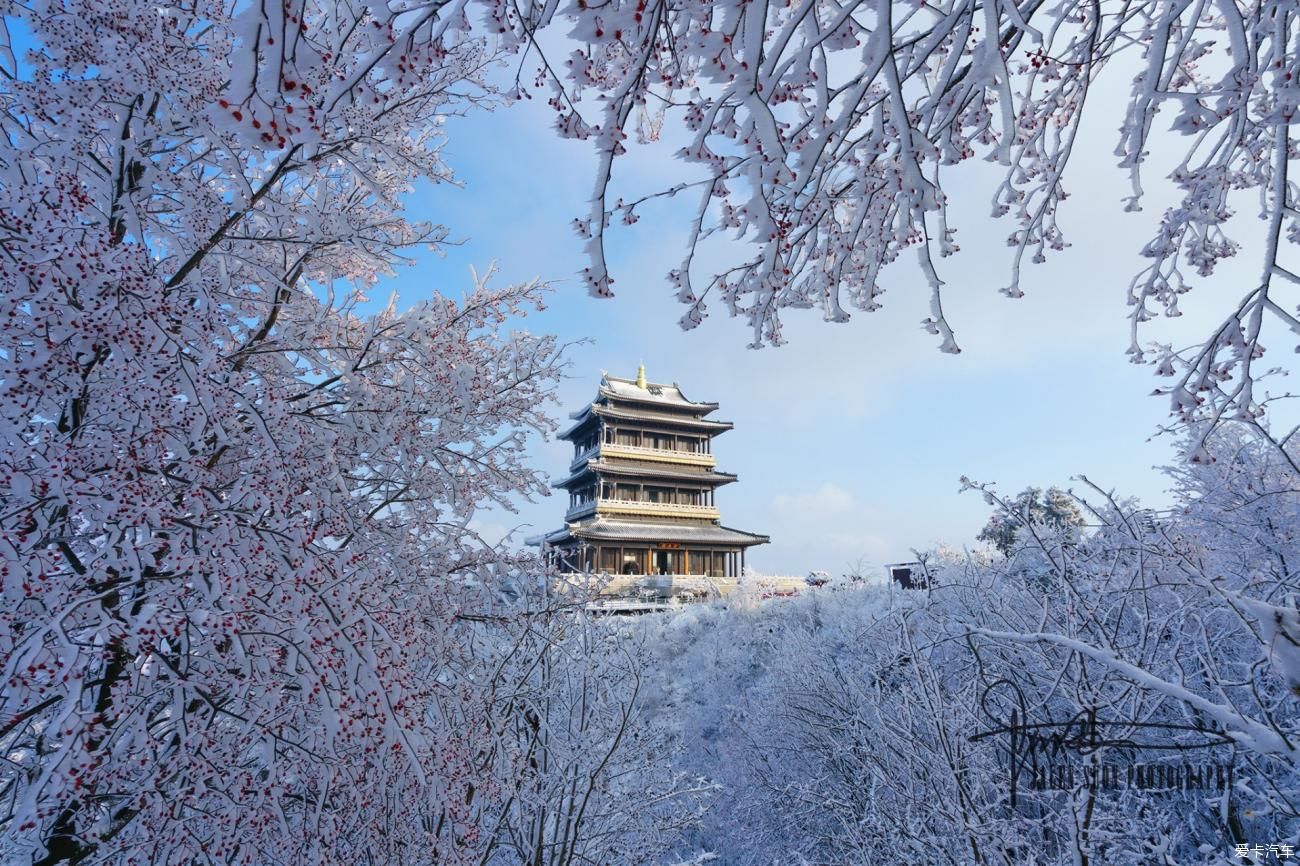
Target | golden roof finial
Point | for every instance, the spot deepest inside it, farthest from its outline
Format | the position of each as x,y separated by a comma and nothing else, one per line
640,376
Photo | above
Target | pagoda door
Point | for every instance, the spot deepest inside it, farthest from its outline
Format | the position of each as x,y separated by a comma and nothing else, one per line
668,562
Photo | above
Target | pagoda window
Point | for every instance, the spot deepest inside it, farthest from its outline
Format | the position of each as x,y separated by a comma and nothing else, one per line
609,560
662,441
633,560
659,494
687,497
631,438
697,562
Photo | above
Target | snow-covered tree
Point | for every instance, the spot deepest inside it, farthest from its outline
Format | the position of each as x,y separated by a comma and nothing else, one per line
594,776
236,559
1032,510
845,727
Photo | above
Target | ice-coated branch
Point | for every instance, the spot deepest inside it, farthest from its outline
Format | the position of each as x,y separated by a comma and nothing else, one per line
819,129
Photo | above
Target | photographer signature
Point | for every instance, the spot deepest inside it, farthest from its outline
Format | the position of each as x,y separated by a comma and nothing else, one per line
1082,734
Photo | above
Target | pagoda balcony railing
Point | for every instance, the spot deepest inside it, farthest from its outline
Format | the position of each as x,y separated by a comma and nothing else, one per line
582,509
652,509
642,509
583,455
666,455
639,452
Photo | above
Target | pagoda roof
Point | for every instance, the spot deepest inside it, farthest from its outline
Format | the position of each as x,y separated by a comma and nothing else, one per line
602,529
639,471
654,393
650,415
582,416
586,414
553,537
661,402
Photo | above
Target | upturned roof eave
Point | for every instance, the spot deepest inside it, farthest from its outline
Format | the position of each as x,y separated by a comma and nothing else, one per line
607,530
635,414
580,418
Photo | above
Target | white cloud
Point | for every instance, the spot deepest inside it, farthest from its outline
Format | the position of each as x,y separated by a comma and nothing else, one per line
490,531
829,499
828,527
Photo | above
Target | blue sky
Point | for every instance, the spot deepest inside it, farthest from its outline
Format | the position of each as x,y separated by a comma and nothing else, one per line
850,440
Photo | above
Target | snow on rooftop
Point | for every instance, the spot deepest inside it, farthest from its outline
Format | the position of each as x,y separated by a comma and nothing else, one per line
655,392
619,529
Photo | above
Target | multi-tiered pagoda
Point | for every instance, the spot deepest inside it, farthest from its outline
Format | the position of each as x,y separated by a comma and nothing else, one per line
641,487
